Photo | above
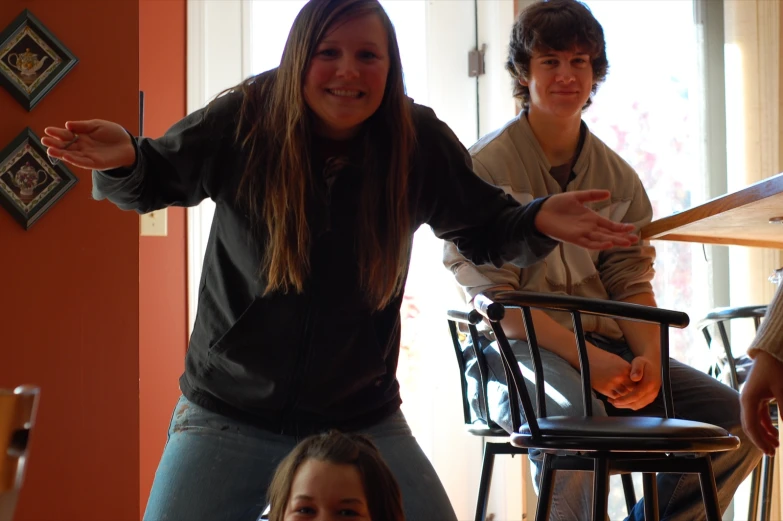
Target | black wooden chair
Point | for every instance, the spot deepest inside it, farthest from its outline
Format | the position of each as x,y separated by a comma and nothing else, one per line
733,370
604,445
480,423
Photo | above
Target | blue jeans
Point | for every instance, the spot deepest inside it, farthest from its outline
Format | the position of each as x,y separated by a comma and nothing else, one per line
697,397
217,469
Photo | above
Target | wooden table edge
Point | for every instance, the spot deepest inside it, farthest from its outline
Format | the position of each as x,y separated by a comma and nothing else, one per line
660,228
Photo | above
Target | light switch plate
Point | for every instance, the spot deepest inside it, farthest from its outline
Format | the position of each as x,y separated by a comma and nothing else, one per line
154,224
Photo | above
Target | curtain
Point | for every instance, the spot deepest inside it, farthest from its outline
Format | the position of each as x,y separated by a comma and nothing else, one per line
753,106
754,139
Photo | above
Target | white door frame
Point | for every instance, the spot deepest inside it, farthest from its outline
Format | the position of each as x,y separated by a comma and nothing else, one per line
218,34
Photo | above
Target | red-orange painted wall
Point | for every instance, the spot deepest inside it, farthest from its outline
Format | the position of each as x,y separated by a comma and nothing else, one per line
69,287
162,260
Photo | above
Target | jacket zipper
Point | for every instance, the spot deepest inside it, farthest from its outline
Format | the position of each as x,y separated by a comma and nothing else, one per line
565,266
300,364
303,354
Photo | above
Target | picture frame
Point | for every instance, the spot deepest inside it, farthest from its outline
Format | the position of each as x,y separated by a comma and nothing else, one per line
29,183
32,60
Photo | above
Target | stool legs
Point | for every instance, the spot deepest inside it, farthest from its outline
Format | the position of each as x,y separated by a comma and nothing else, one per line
650,483
491,449
628,490
753,499
484,483
600,487
767,475
709,490
545,489
761,480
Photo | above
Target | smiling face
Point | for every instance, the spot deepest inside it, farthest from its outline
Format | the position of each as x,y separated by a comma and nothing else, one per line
346,79
323,491
560,83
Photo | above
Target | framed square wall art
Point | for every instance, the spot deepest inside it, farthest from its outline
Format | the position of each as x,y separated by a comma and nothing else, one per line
29,184
32,60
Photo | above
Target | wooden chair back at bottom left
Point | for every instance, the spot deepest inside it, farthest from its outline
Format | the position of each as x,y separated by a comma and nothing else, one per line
17,417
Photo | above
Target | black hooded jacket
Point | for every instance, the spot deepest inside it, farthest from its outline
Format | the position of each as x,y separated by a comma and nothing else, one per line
299,363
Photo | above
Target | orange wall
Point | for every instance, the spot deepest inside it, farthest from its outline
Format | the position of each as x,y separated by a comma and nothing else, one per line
162,260
69,289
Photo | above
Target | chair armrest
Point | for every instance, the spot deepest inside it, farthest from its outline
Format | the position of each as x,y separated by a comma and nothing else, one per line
718,318
587,306
492,304
472,317
724,314
736,312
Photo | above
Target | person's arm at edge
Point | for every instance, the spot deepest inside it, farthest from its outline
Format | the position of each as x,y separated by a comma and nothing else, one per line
175,169
770,335
765,381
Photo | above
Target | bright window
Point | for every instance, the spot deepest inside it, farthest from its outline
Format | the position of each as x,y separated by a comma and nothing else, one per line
648,111
271,21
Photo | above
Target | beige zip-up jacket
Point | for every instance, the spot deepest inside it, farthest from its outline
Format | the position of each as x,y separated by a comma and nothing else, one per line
512,159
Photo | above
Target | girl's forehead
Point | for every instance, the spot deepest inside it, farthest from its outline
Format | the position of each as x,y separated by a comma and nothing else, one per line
357,23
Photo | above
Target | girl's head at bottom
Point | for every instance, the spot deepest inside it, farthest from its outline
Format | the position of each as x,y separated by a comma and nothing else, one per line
334,476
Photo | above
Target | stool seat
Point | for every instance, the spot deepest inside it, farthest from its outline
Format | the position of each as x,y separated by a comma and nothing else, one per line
627,433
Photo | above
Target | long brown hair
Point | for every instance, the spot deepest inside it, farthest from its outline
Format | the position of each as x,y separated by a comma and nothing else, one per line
275,131
384,500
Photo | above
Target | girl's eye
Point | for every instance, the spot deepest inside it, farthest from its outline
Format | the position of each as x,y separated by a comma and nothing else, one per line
348,513
305,510
329,53
367,55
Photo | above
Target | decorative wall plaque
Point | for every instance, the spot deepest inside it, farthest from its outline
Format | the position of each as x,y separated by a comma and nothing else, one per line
32,60
29,184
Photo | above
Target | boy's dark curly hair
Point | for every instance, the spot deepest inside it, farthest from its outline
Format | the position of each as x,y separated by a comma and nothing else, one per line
555,25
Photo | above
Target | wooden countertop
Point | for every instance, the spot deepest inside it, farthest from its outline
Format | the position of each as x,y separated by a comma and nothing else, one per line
740,218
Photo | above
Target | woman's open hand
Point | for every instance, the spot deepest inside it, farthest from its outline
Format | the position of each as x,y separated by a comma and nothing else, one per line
566,218
95,144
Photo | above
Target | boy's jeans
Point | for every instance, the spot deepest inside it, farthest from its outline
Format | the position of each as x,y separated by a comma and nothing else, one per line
697,397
